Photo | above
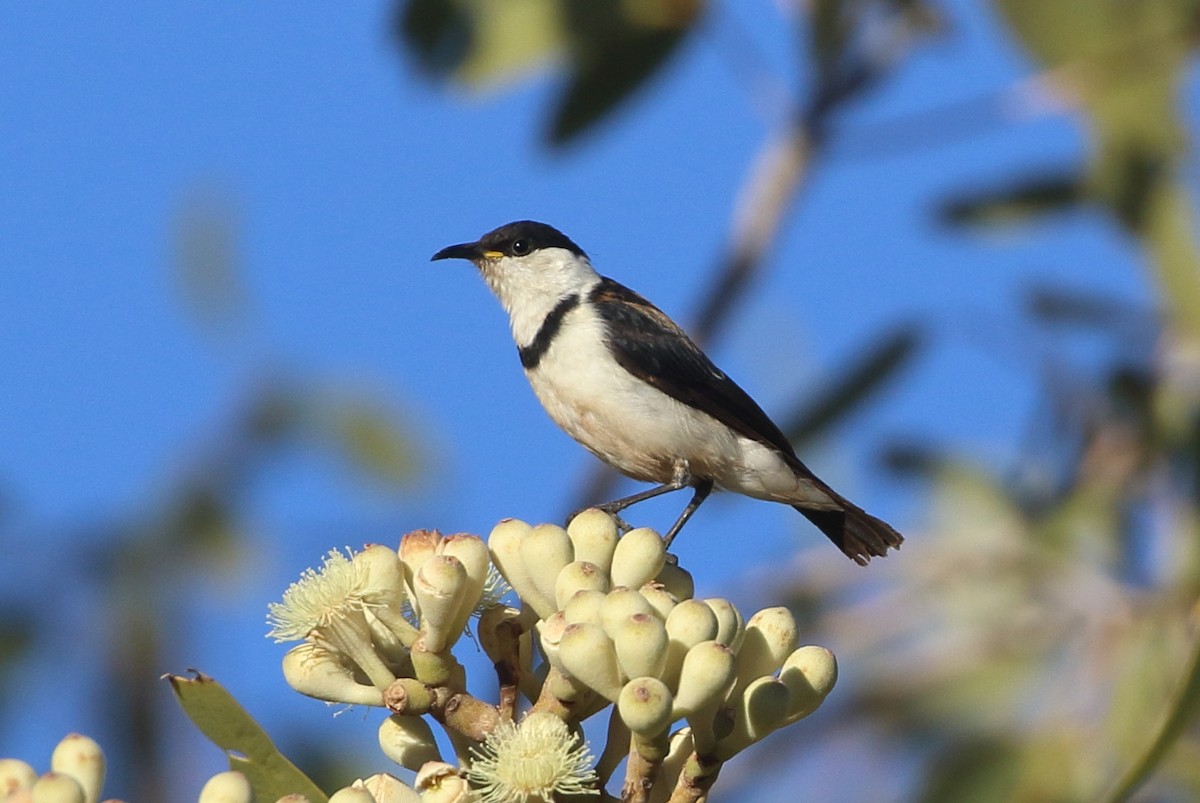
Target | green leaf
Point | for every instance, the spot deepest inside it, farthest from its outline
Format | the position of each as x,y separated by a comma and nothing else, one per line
219,717
480,42
1017,203
856,383
615,47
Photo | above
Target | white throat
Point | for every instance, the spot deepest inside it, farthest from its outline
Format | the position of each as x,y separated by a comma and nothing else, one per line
529,287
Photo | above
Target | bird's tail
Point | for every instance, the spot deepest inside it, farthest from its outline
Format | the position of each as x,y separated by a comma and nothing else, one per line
856,532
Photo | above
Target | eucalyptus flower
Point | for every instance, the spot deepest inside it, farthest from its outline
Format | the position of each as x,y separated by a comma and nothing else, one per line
532,762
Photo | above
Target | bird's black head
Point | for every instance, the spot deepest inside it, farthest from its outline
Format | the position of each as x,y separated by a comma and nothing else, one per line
511,240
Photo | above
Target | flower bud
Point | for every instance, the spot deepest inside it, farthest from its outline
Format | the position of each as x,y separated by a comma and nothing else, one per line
504,543
550,633
442,783
389,789
770,638
639,556
645,706
80,757
730,625
704,679
56,787
588,655
579,575
641,645
316,672
594,536
497,626
408,741
295,797
677,580
689,623
585,606
809,673
15,774
438,588
546,550
416,548
661,600
620,604
227,787
761,709
383,575
472,553
355,793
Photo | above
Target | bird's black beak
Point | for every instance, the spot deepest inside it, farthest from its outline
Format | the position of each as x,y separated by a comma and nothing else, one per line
470,251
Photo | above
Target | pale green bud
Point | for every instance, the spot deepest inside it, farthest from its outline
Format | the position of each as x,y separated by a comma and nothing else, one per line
770,638
352,794
594,535
689,623
416,548
227,787
319,673
707,673
761,709
639,556
550,633
494,630
81,757
389,789
677,580
645,706
383,575
588,655
546,550
730,625
809,673
660,599
408,741
579,575
438,588
56,787
15,774
620,604
472,553
505,544
585,606
641,645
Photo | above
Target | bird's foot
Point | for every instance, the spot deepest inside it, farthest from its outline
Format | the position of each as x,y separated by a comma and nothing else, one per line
622,525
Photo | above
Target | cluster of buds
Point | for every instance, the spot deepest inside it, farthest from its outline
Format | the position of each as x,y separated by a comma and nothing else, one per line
76,775
617,623
604,620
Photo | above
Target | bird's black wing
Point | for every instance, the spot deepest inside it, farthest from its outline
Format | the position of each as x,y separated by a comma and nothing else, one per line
653,348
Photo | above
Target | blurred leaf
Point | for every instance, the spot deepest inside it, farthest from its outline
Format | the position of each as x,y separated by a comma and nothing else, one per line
979,770
873,368
1017,203
372,442
206,258
250,751
480,42
616,45
1072,306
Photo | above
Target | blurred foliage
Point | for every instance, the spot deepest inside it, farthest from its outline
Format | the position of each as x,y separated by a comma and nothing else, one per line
608,48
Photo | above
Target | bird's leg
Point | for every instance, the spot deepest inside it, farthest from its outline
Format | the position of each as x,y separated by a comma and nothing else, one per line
681,478
703,489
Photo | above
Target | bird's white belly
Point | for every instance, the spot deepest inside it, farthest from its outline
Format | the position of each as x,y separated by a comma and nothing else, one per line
643,432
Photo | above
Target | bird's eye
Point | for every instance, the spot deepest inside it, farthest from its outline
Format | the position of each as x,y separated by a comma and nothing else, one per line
521,247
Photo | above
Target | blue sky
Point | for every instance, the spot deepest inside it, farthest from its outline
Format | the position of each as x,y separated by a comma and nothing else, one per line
345,171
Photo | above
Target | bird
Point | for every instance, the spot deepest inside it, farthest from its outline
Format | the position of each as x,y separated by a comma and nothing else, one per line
625,381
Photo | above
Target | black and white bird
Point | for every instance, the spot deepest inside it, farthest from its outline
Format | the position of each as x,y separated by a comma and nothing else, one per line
625,381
